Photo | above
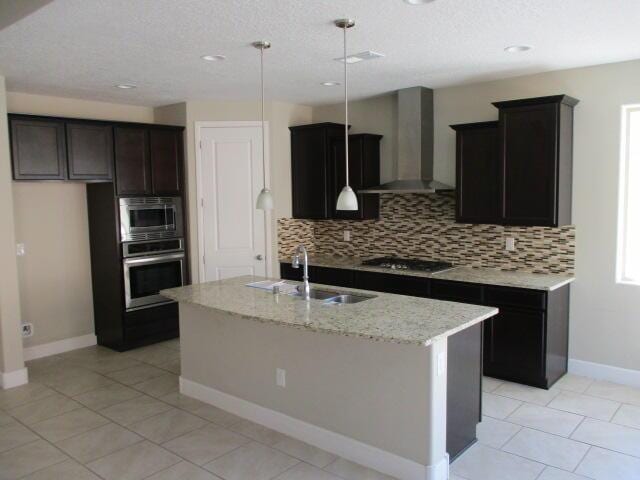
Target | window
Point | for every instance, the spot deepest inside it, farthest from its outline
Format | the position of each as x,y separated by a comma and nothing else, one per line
629,218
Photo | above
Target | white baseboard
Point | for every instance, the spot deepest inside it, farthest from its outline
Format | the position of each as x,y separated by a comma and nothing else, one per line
600,371
346,447
61,346
14,379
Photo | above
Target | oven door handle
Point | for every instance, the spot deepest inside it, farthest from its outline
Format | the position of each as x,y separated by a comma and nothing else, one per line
154,259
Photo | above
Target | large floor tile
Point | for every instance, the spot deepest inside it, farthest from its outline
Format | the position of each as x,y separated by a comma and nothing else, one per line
545,419
98,442
106,396
159,386
628,415
183,471
6,419
601,464
305,452
608,435
134,410
155,354
40,410
573,383
28,458
183,402
167,425
173,366
67,470
14,435
498,407
586,405
174,343
353,471
302,471
216,415
553,473
19,396
546,448
539,396
133,375
252,461
133,463
69,424
495,433
205,444
489,384
110,364
257,432
613,391
484,463
75,384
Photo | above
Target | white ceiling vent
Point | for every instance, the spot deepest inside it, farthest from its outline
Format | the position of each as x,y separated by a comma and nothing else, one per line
360,57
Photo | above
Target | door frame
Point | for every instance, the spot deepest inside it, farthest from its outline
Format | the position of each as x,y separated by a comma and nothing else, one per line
199,125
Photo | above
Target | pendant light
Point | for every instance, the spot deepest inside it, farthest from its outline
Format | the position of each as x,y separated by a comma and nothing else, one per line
265,198
347,200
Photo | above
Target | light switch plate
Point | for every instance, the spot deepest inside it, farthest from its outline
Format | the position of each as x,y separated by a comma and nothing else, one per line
281,377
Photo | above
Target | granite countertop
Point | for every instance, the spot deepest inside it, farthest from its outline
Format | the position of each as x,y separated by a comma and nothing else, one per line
485,276
387,317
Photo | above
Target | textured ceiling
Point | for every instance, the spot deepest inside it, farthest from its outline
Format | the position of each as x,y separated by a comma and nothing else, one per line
81,48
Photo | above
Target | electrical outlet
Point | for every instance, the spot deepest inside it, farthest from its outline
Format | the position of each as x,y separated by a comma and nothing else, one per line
27,329
347,235
20,249
281,377
510,244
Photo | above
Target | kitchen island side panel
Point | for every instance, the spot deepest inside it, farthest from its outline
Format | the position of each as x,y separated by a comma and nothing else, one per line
378,393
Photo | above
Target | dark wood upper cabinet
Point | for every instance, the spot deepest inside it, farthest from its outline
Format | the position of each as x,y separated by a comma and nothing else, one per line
364,171
318,171
477,173
38,149
89,151
133,168
165,149
536,150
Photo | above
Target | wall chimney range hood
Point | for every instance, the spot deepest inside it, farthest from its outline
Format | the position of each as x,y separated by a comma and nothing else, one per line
413,167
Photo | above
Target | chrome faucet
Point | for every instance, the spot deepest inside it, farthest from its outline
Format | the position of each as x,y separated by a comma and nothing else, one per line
295,263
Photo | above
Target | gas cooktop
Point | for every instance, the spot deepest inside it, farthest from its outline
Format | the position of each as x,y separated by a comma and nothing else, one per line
407,264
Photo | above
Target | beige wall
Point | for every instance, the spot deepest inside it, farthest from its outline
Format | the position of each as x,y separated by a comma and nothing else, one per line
10,343
51,220
374,115
605,316
280,116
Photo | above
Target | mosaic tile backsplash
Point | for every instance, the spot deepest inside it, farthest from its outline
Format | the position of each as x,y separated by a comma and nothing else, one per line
423,226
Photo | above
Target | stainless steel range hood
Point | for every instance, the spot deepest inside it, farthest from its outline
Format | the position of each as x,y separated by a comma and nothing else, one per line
413,167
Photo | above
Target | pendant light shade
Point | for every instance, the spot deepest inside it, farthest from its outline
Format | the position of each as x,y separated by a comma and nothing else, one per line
265,198
347,200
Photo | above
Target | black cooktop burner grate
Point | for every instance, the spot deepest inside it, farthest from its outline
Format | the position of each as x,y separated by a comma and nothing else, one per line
407,264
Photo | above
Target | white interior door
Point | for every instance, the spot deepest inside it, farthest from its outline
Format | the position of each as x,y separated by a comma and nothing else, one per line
234,239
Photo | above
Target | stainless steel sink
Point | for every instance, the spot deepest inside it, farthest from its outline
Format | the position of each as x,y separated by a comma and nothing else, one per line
348,298
317,294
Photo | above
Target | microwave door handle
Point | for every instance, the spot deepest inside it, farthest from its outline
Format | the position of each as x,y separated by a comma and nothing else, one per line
158,259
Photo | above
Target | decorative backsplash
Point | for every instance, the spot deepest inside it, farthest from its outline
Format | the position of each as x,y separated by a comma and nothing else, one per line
423,226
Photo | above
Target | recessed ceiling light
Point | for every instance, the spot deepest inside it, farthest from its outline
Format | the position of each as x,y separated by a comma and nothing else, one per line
418,2
517,48
125,86
330,84
360,57
213,58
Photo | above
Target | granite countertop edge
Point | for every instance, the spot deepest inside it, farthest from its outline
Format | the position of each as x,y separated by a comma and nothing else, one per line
463,274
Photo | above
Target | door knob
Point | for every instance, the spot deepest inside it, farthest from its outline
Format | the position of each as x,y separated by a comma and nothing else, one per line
259,257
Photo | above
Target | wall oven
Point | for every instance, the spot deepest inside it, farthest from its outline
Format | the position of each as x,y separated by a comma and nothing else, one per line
149,267
149,218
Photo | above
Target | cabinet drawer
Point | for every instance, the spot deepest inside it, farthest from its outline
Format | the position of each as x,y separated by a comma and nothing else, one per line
456,291
516,297
391,283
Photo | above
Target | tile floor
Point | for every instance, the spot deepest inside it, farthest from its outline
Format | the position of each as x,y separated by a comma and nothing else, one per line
97,414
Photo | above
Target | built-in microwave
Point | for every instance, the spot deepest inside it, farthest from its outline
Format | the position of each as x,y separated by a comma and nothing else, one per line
150,218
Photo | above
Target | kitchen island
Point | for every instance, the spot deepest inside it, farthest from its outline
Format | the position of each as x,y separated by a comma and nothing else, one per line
366,381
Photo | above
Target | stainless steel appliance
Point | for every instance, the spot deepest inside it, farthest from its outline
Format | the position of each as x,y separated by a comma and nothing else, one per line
150,218
408,264
149,267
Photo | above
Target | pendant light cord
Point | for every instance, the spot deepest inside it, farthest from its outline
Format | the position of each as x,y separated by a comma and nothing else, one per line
346,110
264,170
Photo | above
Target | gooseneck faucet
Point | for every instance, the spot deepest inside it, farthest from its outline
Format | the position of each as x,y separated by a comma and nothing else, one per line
295,263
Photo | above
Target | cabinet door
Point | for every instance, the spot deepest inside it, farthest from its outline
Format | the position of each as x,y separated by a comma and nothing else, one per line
331,276
89,151
477,173
392,283
133,173
457,291
38,149
309,173
165,155
529,148
514,346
